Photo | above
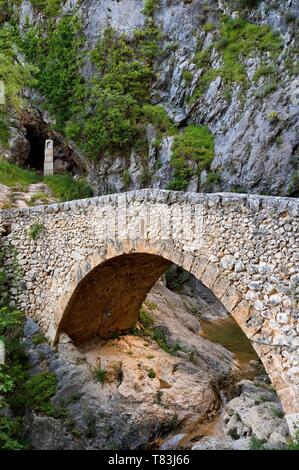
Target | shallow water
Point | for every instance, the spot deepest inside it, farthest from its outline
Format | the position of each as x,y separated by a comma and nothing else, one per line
228,333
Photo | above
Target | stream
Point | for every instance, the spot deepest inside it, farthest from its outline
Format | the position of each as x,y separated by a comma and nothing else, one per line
228,334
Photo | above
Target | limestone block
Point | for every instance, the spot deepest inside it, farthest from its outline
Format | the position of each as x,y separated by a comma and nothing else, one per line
231,298
210,275
2,352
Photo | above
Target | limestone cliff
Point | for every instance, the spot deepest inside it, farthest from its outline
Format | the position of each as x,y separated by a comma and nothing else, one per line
245,93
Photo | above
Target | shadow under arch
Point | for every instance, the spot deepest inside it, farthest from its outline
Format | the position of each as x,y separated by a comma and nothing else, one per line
108,299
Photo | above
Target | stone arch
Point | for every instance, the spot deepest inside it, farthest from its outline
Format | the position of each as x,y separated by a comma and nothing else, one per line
157,255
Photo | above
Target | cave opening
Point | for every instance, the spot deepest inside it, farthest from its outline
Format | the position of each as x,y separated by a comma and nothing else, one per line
36,139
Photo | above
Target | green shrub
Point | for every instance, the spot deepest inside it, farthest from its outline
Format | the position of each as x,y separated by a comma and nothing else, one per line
65,188
294,444
207,27
158,117
150,305
40,389
15,177
257,444
4,131
289,17
14,74
238,41
279,141
9,429
41,198
6,382
151,374
109,122
273,116
38,338
214,177
57,51
35,230
145,319
126,177
11,323
149,7
99,375
293,189
269,88
264,71
277,412
187,76
48,7
102,115
192,152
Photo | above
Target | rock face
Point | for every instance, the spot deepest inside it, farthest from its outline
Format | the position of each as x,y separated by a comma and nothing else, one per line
252,153
253,418
255,129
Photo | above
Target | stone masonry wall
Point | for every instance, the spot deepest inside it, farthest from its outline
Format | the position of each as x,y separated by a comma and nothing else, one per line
245,248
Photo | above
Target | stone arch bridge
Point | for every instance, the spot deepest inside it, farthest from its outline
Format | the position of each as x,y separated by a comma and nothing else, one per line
87,265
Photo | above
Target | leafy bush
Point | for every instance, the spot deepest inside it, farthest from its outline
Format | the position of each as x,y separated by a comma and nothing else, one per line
9,429
238,41
40,389
207,27
192,152
273,116
289,17
14,74
6,382
214,177
269,88
38,338
264,71
48,7
294,444
158,117
145,319
187,76
257,444
57,51
65,188
35,230
109,122
149,7
103,115
11,323
151,374
99,375
293,189
15,177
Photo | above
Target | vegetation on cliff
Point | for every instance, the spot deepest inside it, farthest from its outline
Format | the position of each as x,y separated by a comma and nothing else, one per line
193,152
14,75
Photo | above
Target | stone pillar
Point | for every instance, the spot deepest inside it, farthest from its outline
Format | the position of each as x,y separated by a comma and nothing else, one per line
49,160
2,352
2,92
